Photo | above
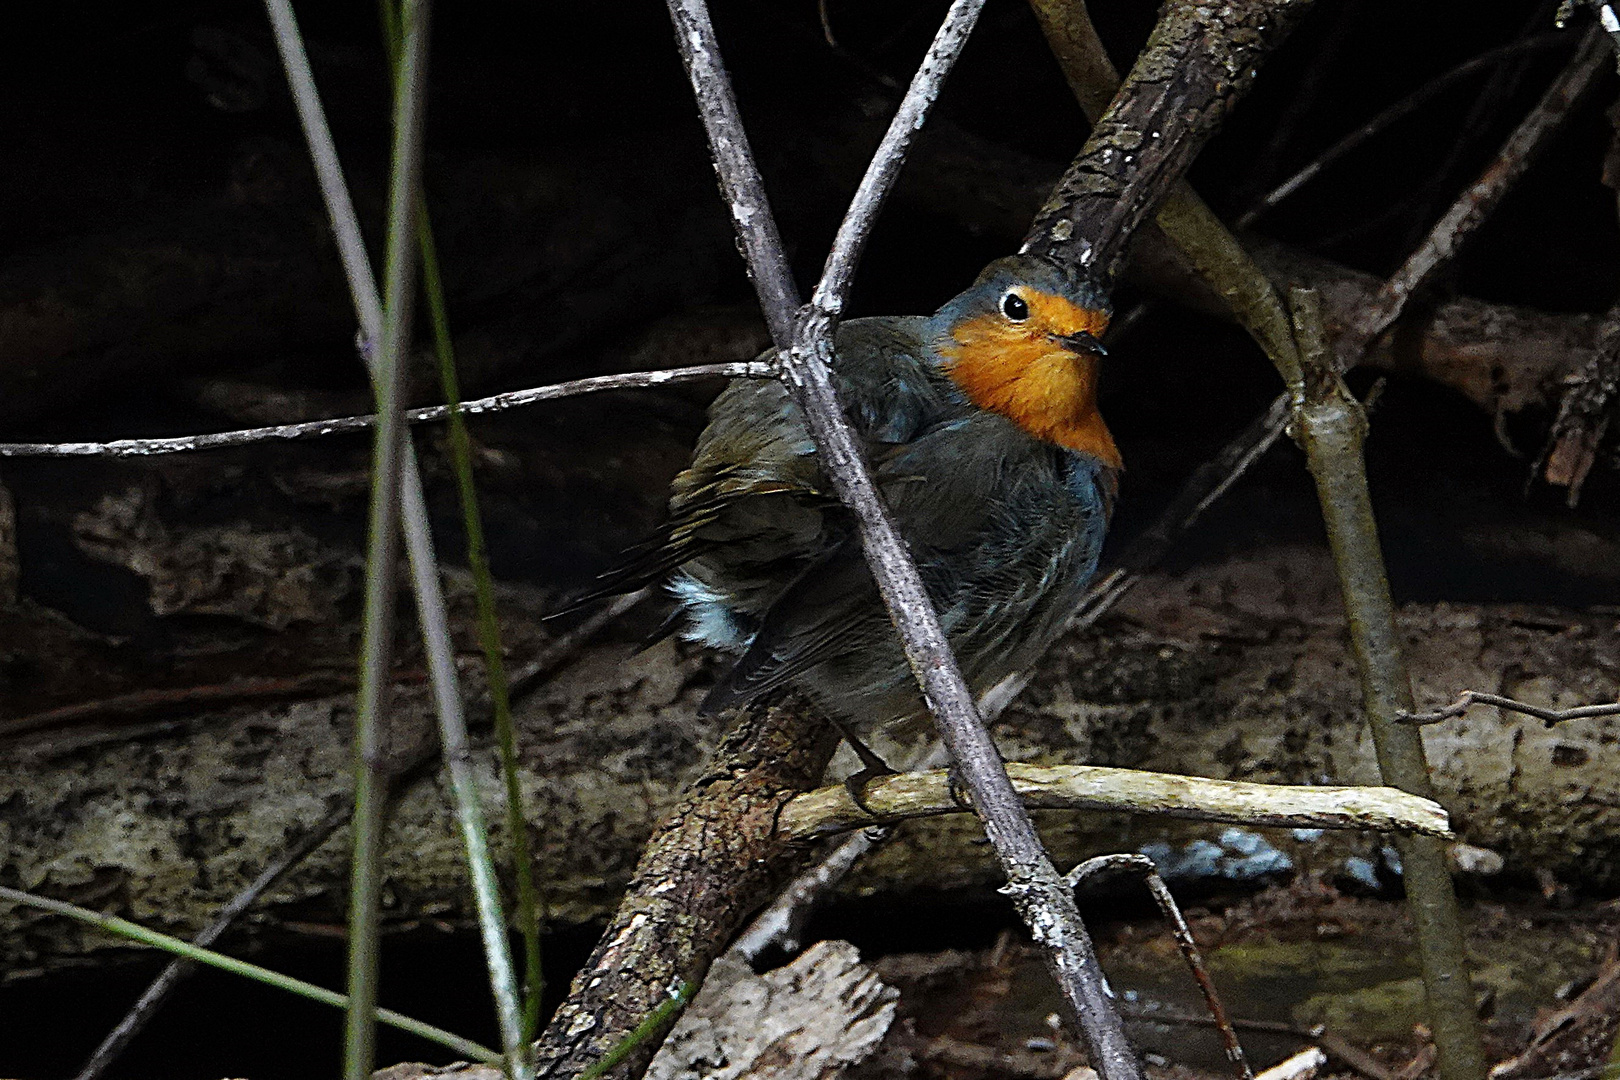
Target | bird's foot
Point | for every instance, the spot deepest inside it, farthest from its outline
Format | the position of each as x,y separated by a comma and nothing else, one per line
872,768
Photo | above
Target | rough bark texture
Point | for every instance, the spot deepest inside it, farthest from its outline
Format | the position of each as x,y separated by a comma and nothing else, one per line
1233,670
709,864
1199,62
809,1020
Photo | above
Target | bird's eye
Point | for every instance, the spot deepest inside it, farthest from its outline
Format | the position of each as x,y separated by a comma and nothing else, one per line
1014,307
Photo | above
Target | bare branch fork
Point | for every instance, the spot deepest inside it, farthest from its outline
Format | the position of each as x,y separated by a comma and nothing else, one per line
804,341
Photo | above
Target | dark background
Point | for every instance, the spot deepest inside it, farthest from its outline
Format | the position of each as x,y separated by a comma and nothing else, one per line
575,209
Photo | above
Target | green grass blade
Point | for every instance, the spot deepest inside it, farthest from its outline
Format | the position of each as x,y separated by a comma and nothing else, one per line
489,634
643,1031
136,932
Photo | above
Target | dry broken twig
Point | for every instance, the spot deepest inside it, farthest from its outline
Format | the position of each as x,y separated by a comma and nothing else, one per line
1141,864
1469,698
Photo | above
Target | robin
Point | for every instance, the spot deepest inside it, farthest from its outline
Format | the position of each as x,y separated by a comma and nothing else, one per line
981,429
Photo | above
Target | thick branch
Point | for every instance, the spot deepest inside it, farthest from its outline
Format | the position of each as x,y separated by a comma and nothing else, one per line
712,861
1199,61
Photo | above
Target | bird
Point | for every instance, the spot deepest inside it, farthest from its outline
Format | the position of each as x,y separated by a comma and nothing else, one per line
980,426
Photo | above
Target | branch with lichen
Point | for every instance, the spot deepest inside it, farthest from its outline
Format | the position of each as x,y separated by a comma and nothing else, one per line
1093,787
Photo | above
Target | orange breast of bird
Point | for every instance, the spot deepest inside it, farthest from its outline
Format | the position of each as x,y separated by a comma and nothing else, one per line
1018,371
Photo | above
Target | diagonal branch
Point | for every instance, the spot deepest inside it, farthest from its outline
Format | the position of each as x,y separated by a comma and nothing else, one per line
1033,882
1200,59
1475,205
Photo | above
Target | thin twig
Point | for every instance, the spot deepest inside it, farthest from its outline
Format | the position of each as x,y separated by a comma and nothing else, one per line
497,689
1469,698
1474,206
564,646
1335,1046
806,346
1279,140
1094,787
158,990
1401,109
135,932
141,703
1157,1014
839,272
1208,483
1185,942
345,425
1483,113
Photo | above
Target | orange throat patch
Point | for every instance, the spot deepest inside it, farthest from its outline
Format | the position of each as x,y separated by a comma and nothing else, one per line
1047,390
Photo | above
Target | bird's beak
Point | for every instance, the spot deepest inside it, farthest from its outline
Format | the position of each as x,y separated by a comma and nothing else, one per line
1082,342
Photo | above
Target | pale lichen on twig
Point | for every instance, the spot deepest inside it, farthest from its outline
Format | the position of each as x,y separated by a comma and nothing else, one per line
1098,788
346,425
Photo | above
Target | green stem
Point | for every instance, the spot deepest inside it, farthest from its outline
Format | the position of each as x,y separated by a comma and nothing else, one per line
382,555
489,634
185,949
1330,427
641,1032
519,1019
413,511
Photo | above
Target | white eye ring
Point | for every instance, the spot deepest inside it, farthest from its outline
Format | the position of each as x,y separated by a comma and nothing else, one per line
1014,307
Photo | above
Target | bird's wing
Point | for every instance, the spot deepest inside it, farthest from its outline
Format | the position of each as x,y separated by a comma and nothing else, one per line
831,609
941,494
754,506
